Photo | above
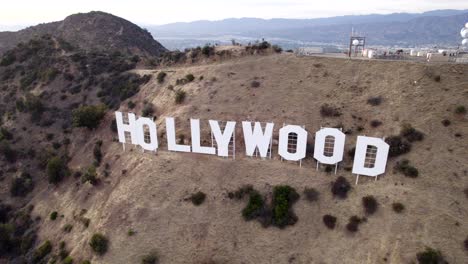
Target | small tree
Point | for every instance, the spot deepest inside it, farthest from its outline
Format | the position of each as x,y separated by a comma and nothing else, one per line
88,116
180,96
329,221
198,198
161,76
370,204
430,256
99,243
340,187
56,170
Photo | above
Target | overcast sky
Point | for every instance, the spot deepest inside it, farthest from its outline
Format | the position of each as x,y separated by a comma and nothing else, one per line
157,12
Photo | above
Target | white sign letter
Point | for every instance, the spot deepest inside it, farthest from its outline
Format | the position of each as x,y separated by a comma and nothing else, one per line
300,146
196,147
130,127
171,137
222,138
321,143
381,155
153,136
257,139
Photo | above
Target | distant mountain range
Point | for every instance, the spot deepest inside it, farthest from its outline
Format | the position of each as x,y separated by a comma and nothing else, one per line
438,27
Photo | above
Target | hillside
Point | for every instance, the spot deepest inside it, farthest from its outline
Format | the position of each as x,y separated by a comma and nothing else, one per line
91,31
141,201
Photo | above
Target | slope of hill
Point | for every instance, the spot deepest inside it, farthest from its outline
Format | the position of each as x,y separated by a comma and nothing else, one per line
435,27
140,202
91,31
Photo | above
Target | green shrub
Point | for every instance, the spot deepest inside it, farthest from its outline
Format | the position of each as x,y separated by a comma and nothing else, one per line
370,204
353,224
148,110
375,101
151,258
430,256
68,260
22,185
398,146
180,96
254,206
241,192
198,198
85,262
8,59
88,116
97,152
311,194
42,251
99,243
207,50
90,175
327,110
329,221
340,187
404,167
56,170
8,152
411,134
67,228
375,123
53,215
131,104
283,198
446,122
460,110
255,84
398,207
189,77
161,76
5,134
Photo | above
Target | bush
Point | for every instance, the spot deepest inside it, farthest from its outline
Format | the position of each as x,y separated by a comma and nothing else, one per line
329,221
56,170
5,134
340,187
97,152
131,104
90,176
99,243
411,134
284,197
374,101
53,215
329,111
398,207
375,123
241,192
353,224
446,122
255,84
180,96
9,153
254,206
208,50
311,194
398,146
42,251
189,77
466,243
88,116
148,110
68,260
151,258
430,256
404,167
370,204
67,228
161,76
460,110
198,198
22,185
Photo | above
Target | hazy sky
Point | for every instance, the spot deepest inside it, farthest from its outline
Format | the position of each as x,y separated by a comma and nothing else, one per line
143,12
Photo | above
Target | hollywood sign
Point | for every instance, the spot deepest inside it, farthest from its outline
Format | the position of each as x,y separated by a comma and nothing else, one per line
370,157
